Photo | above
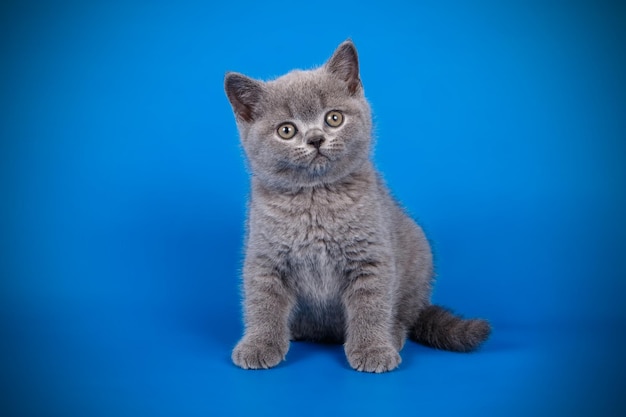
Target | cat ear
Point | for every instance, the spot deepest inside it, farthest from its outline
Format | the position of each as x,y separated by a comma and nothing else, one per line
244,95
345,65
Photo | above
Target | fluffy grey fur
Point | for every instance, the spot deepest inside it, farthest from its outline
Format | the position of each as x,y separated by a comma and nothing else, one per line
330,256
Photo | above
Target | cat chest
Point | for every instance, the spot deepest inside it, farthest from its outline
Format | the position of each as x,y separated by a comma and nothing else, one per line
312,238
316,265
315,257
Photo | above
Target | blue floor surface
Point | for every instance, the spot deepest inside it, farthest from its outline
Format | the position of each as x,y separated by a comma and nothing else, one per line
112,360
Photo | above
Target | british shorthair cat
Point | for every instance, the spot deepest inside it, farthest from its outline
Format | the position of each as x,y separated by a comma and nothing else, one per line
330,256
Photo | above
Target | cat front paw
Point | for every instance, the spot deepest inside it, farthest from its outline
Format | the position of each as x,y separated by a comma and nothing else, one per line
382,358
259,354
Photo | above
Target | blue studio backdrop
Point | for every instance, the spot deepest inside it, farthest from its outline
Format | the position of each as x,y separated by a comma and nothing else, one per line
501,126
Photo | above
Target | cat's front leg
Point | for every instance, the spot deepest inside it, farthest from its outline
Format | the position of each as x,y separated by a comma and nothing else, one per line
369,343
267,305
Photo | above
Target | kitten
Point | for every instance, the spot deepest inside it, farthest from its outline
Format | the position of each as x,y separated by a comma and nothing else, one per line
330,256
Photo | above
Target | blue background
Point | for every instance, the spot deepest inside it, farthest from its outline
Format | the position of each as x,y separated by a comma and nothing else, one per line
500,125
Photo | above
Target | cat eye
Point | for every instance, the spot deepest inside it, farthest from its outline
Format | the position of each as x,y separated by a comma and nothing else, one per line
334,118
287,131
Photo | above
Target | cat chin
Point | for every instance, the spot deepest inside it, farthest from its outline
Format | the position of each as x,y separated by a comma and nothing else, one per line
320,170
323,176
320,164
305,178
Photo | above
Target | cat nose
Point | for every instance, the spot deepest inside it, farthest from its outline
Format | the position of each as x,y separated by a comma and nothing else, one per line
316,141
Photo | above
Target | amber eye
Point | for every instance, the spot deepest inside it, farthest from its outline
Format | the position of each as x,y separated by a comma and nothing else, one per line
287,131
334,118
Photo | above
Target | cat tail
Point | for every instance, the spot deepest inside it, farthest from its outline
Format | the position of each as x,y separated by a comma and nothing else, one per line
439,328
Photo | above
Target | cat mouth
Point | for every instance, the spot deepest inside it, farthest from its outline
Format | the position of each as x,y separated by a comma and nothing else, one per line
319,160
320,156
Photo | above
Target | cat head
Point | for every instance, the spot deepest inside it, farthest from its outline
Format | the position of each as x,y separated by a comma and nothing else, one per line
305,128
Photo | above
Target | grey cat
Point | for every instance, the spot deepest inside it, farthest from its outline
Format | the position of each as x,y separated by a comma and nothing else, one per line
330,256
